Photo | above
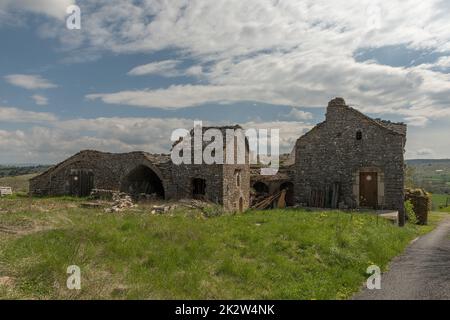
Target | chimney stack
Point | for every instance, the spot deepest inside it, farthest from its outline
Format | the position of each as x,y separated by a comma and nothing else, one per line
335,107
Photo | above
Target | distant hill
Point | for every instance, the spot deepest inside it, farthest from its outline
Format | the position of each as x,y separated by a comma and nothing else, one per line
12,171
432,175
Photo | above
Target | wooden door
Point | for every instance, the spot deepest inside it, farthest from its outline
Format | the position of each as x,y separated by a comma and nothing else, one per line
368,189
81,183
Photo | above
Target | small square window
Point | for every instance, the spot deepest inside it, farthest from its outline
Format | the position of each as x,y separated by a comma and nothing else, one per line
359,135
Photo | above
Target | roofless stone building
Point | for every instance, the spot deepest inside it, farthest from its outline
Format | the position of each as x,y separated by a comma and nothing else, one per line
140,173
347,161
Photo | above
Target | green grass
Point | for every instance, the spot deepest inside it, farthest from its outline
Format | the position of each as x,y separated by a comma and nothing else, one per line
280,254
439,202
17,183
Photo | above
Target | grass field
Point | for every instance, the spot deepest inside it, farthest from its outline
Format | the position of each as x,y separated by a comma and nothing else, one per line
281,254
439,201
17,183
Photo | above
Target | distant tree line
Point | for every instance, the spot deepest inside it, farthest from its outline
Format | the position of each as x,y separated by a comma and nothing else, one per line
12,171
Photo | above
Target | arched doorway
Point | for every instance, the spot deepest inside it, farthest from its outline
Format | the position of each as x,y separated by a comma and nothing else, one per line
143,180
289,187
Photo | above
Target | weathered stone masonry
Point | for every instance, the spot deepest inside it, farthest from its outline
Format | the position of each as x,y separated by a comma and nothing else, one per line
363,156
144,173
349,160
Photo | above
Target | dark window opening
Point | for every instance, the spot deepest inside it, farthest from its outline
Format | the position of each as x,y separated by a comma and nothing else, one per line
198,188
359,135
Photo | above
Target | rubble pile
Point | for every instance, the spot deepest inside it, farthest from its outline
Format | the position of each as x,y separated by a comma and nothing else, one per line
163,209
122,201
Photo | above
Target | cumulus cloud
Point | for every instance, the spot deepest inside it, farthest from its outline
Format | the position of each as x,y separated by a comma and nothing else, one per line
297,114
21,116
280,52
294,53
29,81
52,8
52,141
40,100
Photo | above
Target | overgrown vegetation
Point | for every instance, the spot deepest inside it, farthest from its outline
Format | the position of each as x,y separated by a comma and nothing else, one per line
411,215
280,254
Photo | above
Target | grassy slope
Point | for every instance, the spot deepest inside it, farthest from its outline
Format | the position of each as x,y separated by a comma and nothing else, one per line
17,183
257,255
439,200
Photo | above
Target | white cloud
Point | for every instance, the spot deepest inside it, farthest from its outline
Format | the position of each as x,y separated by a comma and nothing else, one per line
179,96
21,116
53,141
52,8
29,81
295,53
165,68
425,152
40,100
297,114
285,52
429,143
418,121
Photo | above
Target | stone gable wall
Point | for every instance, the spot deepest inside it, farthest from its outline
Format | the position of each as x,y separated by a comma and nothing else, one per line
331,153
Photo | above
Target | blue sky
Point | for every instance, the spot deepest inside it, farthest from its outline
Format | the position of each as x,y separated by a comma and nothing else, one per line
139,69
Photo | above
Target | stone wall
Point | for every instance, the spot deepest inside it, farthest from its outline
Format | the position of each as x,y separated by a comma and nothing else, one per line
225,184
109,171
333,153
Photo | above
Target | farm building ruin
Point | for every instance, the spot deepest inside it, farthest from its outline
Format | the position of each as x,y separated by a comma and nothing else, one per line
348,161
141,173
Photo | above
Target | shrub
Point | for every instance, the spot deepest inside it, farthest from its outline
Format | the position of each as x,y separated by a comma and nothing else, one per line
411,215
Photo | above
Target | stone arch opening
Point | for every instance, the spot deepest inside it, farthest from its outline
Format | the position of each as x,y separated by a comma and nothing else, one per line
289,187
261,188
143,180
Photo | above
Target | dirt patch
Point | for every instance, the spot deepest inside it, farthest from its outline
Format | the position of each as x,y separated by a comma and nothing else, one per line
7,282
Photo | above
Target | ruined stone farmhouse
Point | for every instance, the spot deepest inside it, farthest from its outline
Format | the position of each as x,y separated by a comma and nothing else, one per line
348,161
141,173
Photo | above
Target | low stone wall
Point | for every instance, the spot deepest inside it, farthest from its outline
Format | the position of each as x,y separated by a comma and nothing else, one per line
421,201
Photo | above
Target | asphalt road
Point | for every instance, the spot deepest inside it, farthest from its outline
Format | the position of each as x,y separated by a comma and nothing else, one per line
421,272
